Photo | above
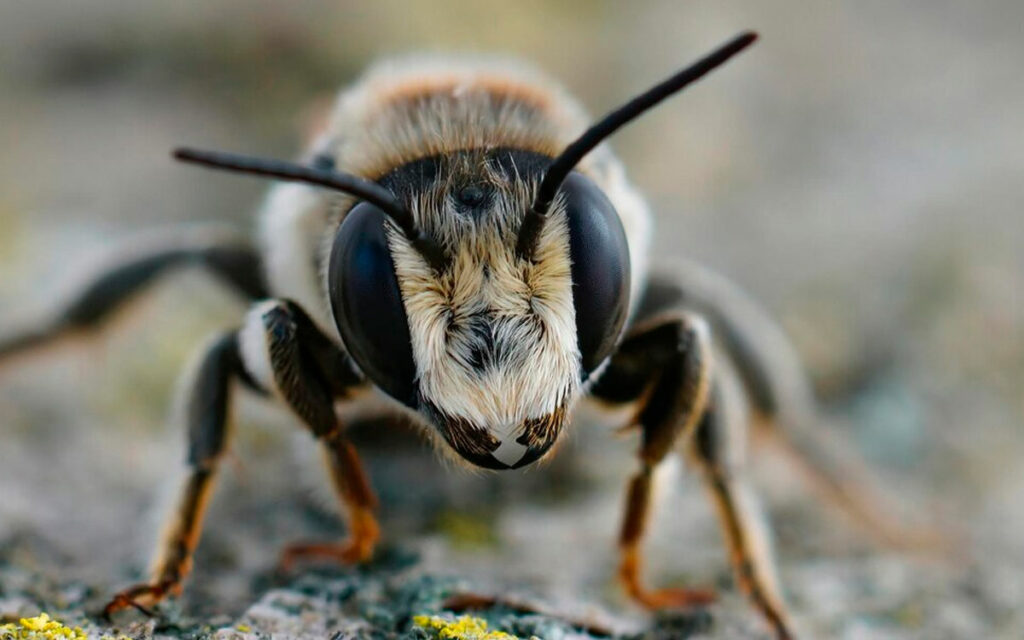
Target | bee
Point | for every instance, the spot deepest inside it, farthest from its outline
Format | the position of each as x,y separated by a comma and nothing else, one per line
452,248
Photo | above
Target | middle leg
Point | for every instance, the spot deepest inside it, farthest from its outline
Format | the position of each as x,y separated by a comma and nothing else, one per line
279,350
208,429
718,450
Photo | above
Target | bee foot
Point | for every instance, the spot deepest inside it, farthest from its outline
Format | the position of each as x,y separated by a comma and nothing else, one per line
674,598
131,597
352,551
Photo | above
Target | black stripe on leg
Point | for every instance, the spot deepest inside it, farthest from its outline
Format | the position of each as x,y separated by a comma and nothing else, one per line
309,370
637,363
665,365
207,413
677,395
720,308
208,403
707,440
89,308
338,369
638,498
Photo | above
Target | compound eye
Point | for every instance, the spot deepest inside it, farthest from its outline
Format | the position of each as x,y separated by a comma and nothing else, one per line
367,303
600,269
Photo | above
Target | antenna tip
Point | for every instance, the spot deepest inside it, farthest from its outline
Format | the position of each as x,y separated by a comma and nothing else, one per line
183,153
742,41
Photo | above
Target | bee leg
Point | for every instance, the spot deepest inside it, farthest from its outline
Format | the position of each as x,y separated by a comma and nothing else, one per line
208,418
358,500
786,413
310,372
90,308
665,364
717,449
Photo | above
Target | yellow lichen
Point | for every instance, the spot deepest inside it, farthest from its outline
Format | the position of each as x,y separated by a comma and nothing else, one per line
41,627
463,628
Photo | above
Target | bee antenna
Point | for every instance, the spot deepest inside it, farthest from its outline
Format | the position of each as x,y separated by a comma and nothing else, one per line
345,182
560,167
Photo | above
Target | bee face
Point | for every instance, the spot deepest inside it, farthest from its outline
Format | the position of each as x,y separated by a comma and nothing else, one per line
492,348
477,271
481,279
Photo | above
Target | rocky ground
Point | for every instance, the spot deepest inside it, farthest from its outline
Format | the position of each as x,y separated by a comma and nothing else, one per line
76,530
859,171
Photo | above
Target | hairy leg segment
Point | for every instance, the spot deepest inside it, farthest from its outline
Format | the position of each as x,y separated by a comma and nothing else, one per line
279,352
310,373
665,366
717,450
208,412
785,412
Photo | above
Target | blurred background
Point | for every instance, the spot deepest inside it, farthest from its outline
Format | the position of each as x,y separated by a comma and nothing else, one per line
859,172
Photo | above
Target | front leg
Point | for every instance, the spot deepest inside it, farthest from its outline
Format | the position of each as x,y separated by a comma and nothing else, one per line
310,373
664,364
357,498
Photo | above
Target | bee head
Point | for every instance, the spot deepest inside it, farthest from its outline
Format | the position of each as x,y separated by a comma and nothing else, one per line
490,345
484,287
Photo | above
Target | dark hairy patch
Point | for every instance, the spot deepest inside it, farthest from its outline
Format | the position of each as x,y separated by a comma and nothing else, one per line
540,433
425,174
474,443
490,342
480,336
469,439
